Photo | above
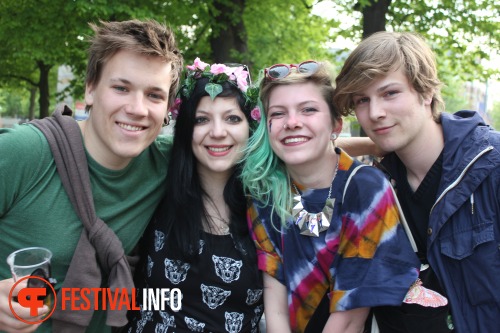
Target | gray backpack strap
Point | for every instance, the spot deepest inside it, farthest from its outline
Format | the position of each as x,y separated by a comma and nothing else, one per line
403,219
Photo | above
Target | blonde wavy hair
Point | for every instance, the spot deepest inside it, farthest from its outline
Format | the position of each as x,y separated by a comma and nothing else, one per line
385,52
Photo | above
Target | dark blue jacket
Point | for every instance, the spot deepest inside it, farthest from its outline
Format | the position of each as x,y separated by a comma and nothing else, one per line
463,245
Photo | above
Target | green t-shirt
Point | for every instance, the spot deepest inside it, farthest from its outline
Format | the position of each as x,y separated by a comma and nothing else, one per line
35,210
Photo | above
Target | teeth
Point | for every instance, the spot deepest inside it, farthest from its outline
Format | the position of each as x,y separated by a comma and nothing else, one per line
218,150
130,127
292,140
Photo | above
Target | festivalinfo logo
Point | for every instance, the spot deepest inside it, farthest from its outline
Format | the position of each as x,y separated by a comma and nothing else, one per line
84,299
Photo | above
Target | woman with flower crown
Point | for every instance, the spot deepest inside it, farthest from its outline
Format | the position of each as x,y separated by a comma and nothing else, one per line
198,240
326,227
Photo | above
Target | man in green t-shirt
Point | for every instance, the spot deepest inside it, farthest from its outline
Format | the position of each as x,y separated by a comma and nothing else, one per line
132,76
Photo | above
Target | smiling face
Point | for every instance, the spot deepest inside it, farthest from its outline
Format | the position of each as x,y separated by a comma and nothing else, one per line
300,126
128,104
392,113
220,134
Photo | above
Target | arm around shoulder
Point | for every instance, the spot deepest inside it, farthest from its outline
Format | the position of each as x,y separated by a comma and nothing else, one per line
358,146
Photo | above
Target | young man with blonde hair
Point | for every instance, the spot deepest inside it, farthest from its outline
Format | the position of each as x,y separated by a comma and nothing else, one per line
446,169
132,77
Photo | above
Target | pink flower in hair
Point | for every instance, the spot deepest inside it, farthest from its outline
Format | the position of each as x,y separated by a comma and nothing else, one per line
255,113
240,72
217,69
229,72
242,84
198,64
241,78
174,109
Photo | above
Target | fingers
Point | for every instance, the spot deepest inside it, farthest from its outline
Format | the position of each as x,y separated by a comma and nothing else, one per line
8,321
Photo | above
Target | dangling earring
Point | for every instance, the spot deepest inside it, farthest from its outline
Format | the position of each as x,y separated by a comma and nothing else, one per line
334,136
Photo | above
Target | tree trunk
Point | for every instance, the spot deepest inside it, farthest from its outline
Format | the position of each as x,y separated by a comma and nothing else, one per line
228,39
43,86
374,16
31,111
373,21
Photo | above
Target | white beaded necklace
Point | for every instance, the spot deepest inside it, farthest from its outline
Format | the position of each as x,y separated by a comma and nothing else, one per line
311,224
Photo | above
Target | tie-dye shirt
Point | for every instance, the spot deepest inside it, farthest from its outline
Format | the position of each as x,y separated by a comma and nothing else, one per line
364,259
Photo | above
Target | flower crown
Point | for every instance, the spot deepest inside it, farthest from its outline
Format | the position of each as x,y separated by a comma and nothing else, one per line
218,74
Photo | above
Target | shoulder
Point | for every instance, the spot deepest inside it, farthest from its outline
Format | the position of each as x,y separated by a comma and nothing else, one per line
262,220
365,175
258,211
158,153
355,178
482,139
20,133
163,143
363,184
25,156
494,138
23,141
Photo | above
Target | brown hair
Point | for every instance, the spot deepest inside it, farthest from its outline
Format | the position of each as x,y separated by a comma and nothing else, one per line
382,53
144,37
323,78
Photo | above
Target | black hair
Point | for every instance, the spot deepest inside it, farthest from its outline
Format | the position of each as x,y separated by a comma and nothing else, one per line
181,212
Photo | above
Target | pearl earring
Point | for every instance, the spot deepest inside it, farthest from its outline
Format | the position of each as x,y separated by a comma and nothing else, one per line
334,136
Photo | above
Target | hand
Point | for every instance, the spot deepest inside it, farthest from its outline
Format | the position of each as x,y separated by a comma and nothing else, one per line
8,322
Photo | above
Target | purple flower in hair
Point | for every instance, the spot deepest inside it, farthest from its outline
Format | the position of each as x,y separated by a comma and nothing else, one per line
255,113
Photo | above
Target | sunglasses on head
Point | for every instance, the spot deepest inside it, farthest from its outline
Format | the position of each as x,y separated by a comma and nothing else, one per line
280,71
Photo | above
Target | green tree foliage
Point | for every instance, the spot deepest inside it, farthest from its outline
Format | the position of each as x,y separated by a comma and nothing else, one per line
453,101
33,43
285,32
14,104
253,32
37,36
495,115
49,33
461,32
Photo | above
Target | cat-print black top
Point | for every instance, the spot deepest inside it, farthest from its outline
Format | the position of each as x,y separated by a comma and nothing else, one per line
220,291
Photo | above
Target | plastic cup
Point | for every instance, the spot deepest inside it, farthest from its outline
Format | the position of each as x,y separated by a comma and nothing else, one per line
30,260
33,261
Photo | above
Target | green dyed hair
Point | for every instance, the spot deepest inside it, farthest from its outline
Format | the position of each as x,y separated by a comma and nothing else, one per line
264,175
